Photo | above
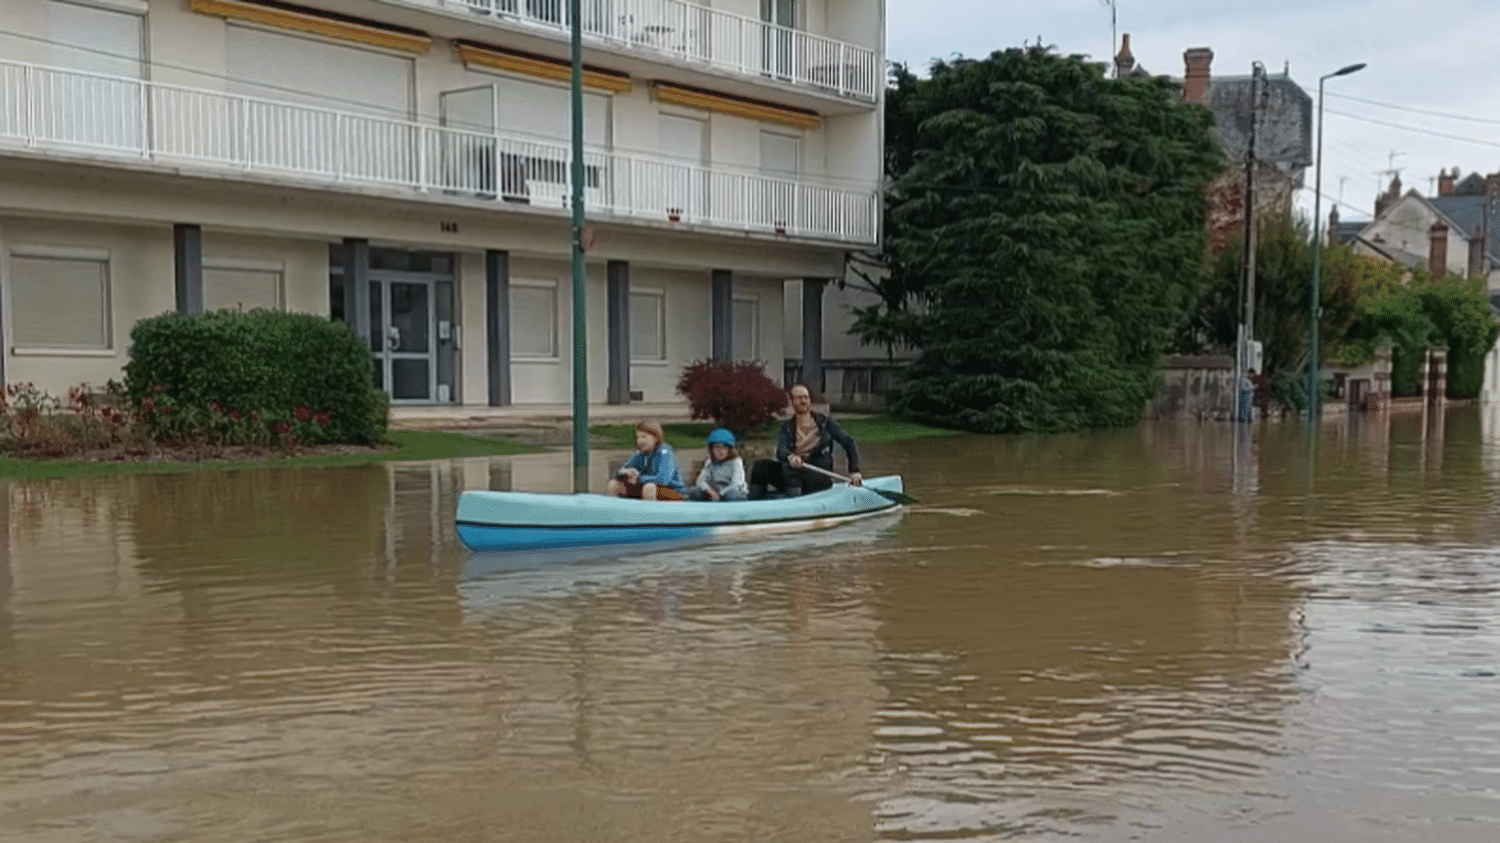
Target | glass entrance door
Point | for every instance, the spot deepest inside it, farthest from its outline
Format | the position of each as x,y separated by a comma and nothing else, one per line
401,338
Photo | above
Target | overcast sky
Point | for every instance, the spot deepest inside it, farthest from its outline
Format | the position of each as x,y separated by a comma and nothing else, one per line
1433,57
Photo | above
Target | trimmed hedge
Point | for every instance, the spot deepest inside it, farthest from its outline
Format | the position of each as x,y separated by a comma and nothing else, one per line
287,374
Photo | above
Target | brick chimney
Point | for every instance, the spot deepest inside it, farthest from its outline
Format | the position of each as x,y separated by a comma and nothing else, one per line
1445,182
1437,249
1389,197
1124,61
1197,61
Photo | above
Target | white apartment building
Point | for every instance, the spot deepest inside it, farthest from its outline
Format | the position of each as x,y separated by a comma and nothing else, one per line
403,165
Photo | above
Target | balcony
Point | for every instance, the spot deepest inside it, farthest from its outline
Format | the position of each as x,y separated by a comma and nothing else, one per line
695,36
45,108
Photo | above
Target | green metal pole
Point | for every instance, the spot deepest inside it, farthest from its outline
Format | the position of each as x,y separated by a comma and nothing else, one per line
1316,282
1315,288
580,274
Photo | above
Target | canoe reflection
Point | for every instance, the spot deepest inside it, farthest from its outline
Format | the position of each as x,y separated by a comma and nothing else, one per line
495,580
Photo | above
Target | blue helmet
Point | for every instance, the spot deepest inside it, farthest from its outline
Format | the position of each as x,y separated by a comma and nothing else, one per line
721,436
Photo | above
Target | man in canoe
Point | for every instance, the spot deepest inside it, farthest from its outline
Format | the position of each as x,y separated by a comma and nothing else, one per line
807,438
651,473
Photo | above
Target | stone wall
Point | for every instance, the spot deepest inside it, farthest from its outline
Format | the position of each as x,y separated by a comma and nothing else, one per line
1194,386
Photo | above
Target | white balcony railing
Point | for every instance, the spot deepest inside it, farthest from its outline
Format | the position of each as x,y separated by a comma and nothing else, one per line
698,34
43,107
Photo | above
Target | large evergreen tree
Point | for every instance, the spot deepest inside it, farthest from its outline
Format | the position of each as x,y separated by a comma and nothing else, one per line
1045,239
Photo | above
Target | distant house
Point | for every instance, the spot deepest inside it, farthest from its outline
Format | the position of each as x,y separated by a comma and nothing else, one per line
1456,232
1282,128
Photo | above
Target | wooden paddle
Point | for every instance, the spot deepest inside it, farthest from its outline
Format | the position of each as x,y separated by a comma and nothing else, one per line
896,497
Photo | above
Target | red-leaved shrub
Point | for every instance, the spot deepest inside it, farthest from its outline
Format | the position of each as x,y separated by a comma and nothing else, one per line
738,396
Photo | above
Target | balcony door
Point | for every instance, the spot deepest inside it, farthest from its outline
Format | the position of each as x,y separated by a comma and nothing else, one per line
781,160
514,137
778,43
685,178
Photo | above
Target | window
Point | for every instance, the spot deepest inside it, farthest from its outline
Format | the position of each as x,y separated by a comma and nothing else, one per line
95,40
94,110
232,286
744,316
648,318
59,298
533,319
317,73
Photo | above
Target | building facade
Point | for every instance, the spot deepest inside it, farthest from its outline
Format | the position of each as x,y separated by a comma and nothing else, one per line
404,165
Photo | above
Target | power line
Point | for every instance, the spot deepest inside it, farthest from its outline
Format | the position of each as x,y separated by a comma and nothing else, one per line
1412,128
1415,110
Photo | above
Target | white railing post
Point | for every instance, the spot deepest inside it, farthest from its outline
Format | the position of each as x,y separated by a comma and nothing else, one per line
338,147
33,96
841,68
421,141
244,137
796,223
144,98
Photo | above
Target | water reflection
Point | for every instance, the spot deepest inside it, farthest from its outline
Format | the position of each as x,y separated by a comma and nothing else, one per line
1180,631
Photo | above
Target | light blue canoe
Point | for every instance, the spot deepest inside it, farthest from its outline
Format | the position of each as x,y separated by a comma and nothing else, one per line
489,521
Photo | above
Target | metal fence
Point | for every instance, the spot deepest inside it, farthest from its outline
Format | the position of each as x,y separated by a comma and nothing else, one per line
703,35
46,107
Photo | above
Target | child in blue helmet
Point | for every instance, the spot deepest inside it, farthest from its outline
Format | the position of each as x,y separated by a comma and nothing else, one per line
723,474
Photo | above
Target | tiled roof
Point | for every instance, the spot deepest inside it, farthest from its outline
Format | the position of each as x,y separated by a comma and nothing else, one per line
1467,212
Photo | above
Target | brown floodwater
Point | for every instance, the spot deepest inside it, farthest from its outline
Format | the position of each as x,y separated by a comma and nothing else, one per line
1178,632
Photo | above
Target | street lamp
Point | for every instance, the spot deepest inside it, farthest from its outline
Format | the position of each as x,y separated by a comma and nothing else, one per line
1317,229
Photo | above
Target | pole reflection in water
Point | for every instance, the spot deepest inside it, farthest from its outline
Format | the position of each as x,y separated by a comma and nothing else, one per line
1174,632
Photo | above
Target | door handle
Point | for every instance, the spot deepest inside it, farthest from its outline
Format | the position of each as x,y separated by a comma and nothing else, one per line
393,338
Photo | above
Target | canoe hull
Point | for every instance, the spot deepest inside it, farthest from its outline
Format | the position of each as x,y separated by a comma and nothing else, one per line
498,521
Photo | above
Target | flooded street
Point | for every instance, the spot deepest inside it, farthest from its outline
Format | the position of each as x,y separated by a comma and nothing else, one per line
1178,632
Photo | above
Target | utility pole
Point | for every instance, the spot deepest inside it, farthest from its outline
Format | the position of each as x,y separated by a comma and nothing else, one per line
1484,231
1247,206
1114,37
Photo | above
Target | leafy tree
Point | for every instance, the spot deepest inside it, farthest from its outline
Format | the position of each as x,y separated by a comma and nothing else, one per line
1417,311
1045,234
1282,273
1365,303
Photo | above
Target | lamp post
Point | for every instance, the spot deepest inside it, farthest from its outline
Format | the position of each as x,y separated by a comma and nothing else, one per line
1316,286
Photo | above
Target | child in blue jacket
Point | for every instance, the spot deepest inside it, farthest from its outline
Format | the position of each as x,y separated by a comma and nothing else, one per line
651,473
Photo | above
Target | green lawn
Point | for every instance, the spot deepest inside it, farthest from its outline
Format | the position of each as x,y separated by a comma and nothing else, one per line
437,445
409,445
880,428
